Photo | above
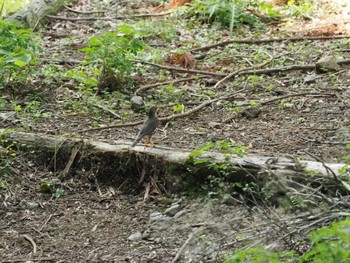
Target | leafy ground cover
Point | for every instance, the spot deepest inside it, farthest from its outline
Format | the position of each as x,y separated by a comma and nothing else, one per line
84,81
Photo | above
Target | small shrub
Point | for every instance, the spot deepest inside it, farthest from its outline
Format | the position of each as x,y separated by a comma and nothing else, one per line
328,245
113,52
17,54
228,13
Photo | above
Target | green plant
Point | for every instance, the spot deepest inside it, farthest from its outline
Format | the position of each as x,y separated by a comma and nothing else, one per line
258,255
345,170
330,244
218,182
115,51
165,30
302,9
173,94
228,13
225,147
17,54
11,6
178,107
51,186
85,77
267,8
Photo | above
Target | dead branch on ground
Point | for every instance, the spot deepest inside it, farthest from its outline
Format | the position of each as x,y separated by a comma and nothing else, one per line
106,18
147,87
179,69
235,73
265,41
169,118
84,12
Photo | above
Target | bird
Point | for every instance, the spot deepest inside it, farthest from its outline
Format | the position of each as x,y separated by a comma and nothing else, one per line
149,126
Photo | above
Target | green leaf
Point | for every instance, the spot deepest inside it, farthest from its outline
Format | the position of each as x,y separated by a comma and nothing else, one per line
178,107
25,58
58,192
4,52
346,185
19,63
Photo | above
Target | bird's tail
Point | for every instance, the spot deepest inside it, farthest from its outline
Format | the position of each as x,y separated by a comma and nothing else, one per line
135,142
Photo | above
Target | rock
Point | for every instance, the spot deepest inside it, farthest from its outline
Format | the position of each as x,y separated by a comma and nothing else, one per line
101,24
208,82
135,236
106,257
137,103
310,79
251,112
346,93
5,115
327,64
180,213
158,221
31,205
171,211
213,124
147,235
156,216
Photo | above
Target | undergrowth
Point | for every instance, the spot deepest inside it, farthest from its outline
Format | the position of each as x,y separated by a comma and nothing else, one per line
18,55
326,245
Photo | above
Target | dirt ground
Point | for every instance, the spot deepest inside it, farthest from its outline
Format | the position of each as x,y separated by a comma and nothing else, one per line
95,223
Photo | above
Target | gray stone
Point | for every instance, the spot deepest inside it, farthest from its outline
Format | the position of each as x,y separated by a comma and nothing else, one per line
327,64
31,205
137,103
135,236
251,112
180,213
156,216
171,211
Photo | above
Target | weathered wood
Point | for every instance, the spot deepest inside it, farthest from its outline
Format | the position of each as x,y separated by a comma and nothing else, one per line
251,163
34,13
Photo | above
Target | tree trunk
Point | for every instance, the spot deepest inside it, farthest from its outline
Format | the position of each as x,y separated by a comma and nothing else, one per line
35,12
118,162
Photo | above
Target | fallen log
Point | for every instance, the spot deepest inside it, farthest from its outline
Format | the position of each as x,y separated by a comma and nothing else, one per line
117,163
35,12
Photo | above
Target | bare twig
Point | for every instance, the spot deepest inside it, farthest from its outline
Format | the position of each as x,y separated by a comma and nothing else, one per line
108,110
178,69
265,41
189,239
244,71
329,170
146,87
85,12
31,242
324,142
235,73
171,117
61,62
106,18
45,223
297,95
72,157
98,187
32,260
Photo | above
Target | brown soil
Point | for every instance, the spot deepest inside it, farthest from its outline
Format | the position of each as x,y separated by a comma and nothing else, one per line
95,223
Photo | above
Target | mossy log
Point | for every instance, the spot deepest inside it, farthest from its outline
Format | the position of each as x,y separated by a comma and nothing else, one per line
34,13
119,164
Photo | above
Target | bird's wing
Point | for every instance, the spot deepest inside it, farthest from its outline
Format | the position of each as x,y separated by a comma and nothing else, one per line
147,129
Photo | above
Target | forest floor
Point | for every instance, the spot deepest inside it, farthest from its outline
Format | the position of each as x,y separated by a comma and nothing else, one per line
290,112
